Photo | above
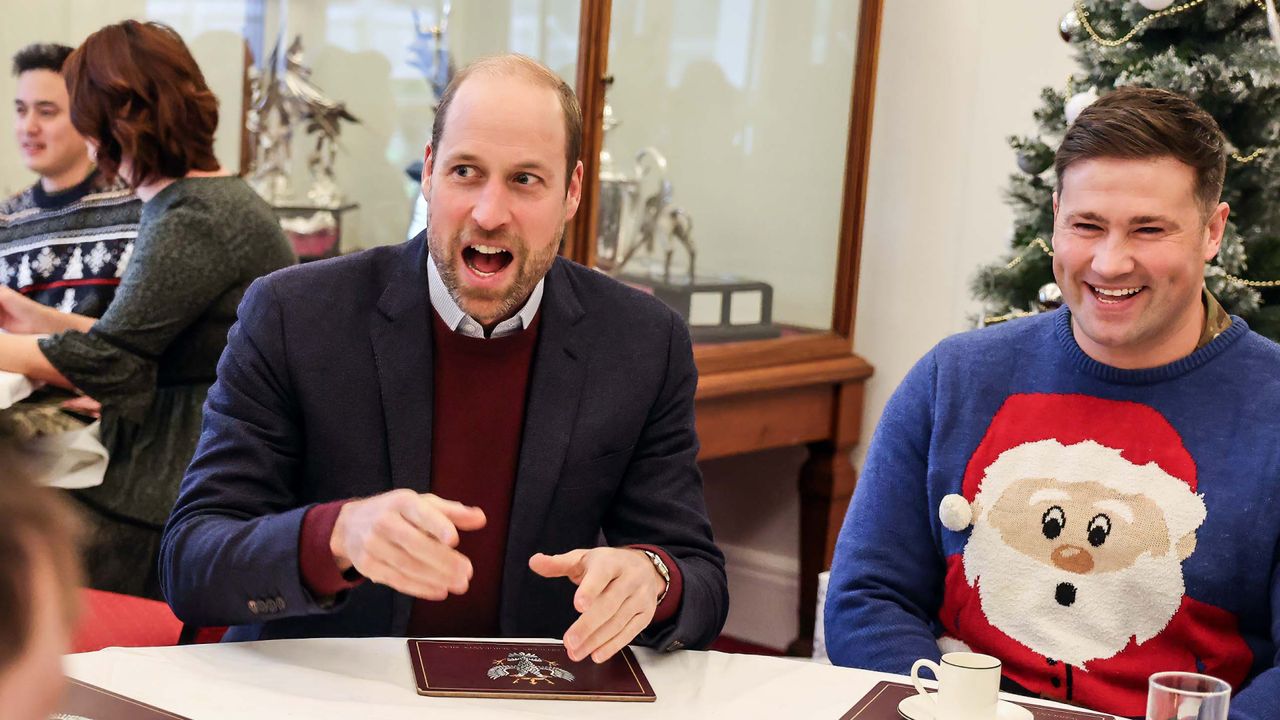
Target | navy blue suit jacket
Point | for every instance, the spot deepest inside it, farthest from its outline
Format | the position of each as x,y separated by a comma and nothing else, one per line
325,392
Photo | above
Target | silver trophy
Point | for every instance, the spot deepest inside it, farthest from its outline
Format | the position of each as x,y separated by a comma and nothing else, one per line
640,232
638,220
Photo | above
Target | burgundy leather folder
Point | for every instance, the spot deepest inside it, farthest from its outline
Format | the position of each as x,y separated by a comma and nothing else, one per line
531,671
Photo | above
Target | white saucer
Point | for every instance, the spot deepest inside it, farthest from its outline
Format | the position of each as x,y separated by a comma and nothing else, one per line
919,707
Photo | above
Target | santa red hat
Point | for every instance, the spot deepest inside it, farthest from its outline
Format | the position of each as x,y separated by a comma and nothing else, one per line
1126,446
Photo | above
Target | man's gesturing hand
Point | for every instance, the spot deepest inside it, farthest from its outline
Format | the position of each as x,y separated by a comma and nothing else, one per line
618,590
406,541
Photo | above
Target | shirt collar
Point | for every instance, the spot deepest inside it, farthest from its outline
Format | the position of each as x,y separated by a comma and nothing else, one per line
460,322
1216,320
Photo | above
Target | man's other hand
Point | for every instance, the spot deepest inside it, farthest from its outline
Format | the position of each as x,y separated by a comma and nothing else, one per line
406,541
618,590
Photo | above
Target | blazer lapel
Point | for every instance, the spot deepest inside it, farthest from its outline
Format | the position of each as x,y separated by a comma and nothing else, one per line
555,385
401,333
400,330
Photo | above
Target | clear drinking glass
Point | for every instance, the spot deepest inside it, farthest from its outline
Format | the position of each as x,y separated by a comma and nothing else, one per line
1187,696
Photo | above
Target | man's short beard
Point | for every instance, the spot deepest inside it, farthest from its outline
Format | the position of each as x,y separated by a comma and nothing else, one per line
529,270
1019,597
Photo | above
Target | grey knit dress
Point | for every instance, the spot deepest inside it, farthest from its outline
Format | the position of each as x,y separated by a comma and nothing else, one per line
152,356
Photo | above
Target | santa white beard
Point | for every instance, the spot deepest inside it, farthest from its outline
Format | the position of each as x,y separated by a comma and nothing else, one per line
1019,597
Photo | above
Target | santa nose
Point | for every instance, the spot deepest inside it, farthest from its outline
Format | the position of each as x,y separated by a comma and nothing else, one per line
1073,559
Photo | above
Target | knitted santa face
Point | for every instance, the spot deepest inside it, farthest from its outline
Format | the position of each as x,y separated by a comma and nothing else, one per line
1082,511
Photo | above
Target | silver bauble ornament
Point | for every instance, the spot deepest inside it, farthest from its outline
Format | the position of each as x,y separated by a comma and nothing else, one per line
1035,158
1155,5
1068,25
1050,295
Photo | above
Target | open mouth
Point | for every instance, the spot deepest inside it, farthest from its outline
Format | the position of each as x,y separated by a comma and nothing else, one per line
1115,296
486,260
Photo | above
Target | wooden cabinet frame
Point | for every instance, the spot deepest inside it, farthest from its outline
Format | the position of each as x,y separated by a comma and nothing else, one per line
799,390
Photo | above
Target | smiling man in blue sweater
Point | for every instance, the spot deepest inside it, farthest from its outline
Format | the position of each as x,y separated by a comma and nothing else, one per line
1088,494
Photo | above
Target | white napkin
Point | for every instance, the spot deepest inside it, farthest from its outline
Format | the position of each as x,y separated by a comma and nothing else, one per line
15,387
69,460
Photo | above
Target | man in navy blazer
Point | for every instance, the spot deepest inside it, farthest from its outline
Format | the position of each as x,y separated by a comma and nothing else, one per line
461,435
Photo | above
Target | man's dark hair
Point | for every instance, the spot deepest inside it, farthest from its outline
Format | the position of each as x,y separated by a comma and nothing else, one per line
1133,123
41,56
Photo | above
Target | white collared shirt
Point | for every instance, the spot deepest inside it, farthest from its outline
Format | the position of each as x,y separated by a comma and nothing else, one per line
462,323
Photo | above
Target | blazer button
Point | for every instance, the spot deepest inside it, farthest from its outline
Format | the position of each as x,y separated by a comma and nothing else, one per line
253,606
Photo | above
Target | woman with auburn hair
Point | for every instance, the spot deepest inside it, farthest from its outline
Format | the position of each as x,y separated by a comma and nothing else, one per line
142,103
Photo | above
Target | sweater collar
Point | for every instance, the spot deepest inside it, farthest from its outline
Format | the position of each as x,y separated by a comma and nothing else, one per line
1237,329
62,198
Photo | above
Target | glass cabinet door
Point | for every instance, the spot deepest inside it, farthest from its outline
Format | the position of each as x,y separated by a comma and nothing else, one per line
724,157
369,55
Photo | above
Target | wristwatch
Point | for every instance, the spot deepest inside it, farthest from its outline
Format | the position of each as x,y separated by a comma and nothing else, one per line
661,567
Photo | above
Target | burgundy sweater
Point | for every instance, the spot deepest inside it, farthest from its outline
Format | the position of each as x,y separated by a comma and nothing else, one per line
480,393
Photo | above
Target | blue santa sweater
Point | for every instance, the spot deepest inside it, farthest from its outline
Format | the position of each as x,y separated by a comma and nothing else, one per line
1087,525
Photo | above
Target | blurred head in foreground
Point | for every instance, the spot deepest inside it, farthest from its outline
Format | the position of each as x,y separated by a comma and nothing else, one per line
39,582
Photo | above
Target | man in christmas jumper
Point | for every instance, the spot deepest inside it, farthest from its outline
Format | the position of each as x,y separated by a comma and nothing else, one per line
1087,494
463,435
64,241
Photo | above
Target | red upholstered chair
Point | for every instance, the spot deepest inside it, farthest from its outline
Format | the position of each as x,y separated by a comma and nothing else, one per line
112,620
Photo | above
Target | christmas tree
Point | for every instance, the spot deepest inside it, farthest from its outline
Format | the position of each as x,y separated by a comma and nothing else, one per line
1220,54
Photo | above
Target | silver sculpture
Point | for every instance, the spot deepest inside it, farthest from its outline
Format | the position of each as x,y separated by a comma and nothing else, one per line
630,221
283,98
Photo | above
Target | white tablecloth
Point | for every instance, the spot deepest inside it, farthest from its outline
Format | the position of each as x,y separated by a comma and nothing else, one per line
371,678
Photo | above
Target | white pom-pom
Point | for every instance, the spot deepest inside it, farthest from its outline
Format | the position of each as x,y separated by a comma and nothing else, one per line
955,513
1079,102
947,644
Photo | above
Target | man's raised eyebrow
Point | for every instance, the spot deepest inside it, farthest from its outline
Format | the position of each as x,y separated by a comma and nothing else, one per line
1151,219
461,158
533,165
1086,215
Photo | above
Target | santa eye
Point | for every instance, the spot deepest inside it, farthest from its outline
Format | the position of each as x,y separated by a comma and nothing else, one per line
1099,529
1052,521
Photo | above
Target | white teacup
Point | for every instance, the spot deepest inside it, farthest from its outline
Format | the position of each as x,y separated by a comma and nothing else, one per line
968,685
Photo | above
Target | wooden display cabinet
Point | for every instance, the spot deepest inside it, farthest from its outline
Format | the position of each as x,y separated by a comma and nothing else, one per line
799,389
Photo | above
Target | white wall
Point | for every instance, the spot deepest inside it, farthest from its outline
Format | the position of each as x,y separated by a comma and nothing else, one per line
955,79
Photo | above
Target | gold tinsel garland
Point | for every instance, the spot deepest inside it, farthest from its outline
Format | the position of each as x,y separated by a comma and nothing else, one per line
1082,14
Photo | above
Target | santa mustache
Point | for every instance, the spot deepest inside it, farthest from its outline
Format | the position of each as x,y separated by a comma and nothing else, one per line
1067,616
